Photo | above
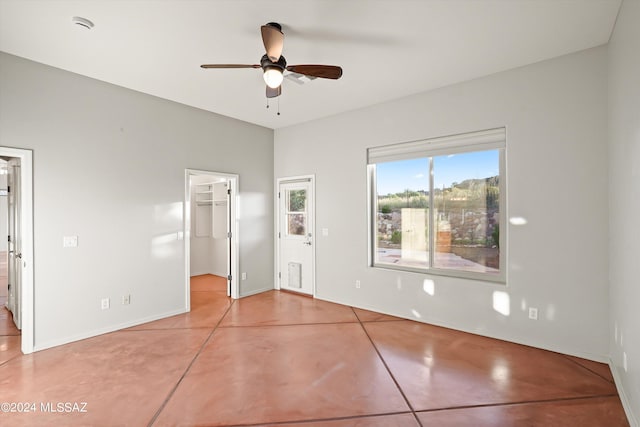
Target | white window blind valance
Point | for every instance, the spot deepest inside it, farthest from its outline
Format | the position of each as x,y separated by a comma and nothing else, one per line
490,139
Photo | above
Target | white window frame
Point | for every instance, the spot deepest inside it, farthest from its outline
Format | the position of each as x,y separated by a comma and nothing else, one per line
491,139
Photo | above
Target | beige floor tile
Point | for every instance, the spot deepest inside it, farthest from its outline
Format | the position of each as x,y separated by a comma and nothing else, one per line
442,368
284,308
398,420
274,374
601,412
123,378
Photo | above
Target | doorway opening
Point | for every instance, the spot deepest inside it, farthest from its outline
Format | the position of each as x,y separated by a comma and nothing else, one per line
16,213
211,228
295,253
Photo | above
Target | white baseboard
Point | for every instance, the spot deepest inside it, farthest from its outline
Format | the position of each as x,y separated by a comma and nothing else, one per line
255,292
626,404
105,330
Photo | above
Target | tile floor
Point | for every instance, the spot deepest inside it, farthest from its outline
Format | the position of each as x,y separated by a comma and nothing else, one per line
283,359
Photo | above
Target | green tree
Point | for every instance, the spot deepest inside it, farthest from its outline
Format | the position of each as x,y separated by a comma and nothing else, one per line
297,200
495,235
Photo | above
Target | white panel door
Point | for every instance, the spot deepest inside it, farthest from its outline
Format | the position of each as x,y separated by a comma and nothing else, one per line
14,273
295,236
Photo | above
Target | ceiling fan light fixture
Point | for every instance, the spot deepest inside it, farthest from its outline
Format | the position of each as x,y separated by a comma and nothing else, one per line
273,77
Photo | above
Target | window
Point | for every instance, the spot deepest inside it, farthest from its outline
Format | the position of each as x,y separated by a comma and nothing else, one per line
296,211
437,205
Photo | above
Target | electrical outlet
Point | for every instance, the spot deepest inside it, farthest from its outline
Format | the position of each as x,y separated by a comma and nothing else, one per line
126,299
624,361
533,313
357,284
105,303
243,276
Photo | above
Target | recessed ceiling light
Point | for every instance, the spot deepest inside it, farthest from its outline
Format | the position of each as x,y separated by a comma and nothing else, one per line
83,22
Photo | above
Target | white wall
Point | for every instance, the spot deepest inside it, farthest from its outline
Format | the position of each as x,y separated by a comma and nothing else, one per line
555,114
109,167
624,201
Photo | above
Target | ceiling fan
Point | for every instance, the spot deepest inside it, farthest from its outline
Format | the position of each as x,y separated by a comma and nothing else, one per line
273,63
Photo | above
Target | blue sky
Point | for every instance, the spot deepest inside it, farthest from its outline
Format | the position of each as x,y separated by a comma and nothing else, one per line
395,177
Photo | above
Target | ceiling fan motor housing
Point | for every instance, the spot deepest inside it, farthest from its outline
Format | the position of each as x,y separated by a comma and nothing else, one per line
275,25
266,63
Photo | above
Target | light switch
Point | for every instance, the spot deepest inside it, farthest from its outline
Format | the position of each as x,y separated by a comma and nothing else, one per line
70,241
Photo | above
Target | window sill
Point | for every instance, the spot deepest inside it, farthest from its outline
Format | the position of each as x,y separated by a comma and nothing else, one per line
457,274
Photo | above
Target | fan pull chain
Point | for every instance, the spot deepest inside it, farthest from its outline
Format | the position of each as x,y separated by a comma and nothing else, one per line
278,104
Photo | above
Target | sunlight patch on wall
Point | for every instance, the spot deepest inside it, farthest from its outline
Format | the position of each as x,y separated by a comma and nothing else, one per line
502,302
164,246
429,286
517,220
523,304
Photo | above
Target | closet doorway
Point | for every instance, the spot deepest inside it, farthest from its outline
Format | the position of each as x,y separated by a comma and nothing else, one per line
17,211
211,228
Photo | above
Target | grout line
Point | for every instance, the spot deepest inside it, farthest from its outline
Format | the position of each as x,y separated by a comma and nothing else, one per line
356,314
12,358
181,328
589,369
413,411
524,402
316,420
184,374
290,324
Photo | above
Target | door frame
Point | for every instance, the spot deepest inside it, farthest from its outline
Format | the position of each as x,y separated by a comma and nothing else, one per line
26,220
233,221
312,179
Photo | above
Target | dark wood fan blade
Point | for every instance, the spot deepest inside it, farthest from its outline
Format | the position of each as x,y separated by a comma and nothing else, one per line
272,93
229,66
273,40
322,71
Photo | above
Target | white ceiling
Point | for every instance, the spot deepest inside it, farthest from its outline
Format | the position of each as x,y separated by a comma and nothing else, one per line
387,48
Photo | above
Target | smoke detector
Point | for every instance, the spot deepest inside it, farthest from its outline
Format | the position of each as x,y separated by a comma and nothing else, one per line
83,22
